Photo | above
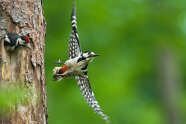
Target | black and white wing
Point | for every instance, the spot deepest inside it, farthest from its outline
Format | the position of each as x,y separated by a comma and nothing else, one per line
74,48
88,94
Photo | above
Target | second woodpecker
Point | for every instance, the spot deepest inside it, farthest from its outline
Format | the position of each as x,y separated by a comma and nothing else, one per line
12,41
77,65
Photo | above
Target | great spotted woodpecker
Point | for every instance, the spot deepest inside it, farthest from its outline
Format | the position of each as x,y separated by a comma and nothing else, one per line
77,65
13,41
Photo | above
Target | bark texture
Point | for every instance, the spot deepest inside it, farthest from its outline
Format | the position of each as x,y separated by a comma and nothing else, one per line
24,66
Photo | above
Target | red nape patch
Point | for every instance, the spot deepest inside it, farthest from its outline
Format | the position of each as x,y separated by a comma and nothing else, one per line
63,69
25,38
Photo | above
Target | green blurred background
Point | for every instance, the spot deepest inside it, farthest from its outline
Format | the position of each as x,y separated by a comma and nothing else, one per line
140,77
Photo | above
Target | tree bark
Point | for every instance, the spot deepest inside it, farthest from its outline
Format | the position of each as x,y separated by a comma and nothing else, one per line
24,66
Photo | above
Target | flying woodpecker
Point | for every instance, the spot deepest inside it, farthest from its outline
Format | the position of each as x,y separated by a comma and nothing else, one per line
12,41
77,65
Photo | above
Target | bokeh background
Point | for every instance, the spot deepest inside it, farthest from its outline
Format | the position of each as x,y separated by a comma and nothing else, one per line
140,76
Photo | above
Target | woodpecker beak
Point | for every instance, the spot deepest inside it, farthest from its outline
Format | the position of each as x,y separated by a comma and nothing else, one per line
28,46
95,55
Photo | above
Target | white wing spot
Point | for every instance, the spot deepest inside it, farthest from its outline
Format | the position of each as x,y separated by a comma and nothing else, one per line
73,21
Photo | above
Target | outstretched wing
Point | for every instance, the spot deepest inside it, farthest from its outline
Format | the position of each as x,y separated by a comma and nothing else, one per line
88,94
74,48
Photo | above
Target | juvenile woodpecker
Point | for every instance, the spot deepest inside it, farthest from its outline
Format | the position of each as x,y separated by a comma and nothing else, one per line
12,41
77,65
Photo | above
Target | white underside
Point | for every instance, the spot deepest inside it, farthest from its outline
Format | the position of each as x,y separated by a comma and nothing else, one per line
74,66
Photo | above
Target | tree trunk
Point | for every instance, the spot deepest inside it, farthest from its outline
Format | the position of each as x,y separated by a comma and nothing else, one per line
169,79
23,66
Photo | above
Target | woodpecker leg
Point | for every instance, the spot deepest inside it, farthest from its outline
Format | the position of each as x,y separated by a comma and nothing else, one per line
59,62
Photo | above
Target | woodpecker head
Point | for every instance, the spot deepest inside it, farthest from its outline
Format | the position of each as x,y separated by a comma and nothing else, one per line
13,40
89,55
24,41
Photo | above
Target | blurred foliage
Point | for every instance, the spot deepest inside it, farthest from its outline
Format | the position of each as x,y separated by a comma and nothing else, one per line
129,35
11,95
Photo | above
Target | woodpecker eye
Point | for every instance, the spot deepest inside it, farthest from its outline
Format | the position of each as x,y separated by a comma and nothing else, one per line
88,52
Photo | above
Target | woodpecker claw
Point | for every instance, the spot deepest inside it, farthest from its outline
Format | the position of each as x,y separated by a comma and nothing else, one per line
57,78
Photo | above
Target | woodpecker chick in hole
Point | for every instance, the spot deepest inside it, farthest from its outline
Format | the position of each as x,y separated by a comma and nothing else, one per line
12,41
